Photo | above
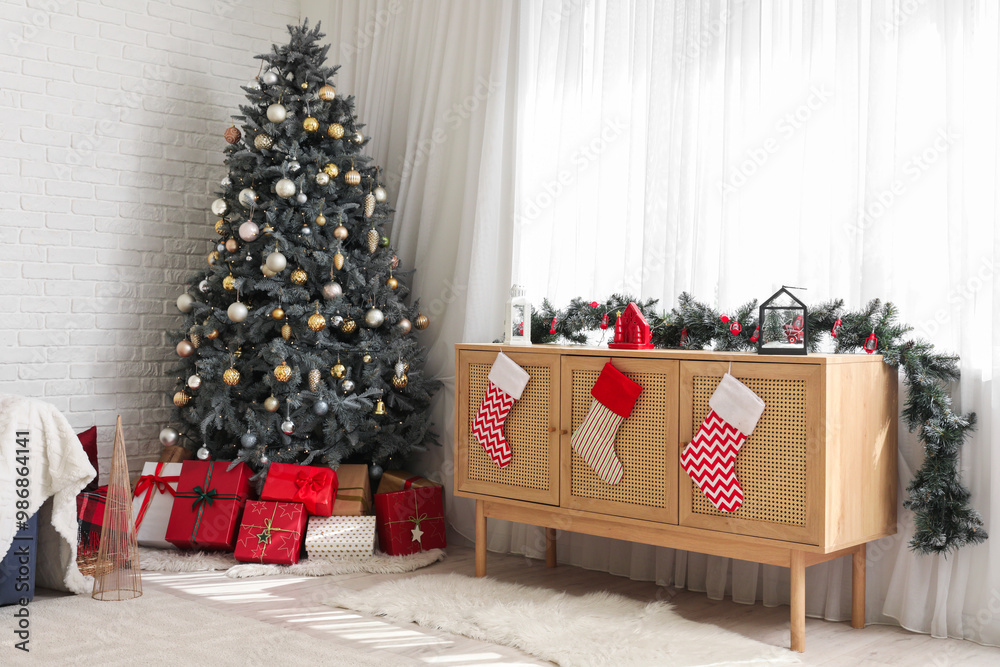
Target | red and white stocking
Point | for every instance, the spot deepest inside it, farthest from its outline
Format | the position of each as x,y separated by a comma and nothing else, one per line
507,381
594,440
710,458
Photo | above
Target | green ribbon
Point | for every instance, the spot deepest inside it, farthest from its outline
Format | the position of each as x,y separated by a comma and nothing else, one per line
202,496
203,499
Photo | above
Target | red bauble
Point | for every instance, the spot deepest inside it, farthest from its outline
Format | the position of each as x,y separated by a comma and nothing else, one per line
836,328
594,304
604,321
724,318
735,328
552,329
232,135
871,343
756,335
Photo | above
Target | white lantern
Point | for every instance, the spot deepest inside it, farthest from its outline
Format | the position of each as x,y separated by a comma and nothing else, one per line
517,318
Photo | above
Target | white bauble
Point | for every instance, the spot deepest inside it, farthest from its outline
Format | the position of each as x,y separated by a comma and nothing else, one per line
332,290
219,207
248,197
380,194
269,78
194,381
277,113
284,188
237,312
276,262
185,302
301,198
169,436
249,231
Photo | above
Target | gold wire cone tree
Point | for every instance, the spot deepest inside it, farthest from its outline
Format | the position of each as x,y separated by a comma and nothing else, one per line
116,574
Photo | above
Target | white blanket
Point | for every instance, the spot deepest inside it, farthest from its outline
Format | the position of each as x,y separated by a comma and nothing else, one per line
58,469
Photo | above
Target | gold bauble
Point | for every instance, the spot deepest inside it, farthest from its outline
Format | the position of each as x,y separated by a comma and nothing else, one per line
283,372
314,378
286,331
327,92
263,142
348,326
338,370
392,283
232,245
335,131
310,124
271,404
304,85
320,220
238,353
278,314
421,322
317,322
399,381
340,232
299,277
229,283
181,399
338,261
353,177
220,226
372,240
369,205
367,358
331,169
214,257
231,377
213,334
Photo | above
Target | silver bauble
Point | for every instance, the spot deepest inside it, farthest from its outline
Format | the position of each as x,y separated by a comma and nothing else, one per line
359,138
322,178
288,427
219,207
185,302
320,408
248,197
203,453
301,198
332,290
269,78
374,318
169,436
277,113
403,326
276,262
194,381
203,286
271,404
237,312
225,182
305,231
347,386
248,440
264,460
380,194
284,188
220,247
336,321
249,231
293,165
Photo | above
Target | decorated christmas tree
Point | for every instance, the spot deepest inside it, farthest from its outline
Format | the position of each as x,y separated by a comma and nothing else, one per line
298,342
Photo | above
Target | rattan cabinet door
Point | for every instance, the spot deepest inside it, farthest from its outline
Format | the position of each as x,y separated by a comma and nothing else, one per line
646,442
780,467
530,429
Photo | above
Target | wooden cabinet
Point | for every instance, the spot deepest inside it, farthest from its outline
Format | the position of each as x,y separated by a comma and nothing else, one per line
818,473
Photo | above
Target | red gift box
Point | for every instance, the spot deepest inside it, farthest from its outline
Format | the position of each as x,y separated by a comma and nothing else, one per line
207,505
271,533
314,487
410,521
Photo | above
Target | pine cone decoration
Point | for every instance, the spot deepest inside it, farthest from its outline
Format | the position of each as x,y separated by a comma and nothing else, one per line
369,205
372,240
286,331
314,377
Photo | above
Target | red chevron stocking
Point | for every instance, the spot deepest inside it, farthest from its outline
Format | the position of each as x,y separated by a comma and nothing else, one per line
507,381
710,458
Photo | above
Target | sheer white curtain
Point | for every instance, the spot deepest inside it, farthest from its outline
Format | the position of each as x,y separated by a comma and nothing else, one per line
724,148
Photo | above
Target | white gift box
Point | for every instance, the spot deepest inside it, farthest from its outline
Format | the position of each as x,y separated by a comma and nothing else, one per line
153,529
340,537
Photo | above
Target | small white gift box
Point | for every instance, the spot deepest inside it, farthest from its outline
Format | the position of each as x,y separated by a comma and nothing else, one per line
340,537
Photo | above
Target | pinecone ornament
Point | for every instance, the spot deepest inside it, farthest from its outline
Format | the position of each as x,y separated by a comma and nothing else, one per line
372,240
314,378
369,205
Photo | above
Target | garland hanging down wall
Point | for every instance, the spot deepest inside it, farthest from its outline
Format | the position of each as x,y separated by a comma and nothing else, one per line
944,519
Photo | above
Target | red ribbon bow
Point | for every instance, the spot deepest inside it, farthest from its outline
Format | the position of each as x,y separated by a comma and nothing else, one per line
147,484
310,486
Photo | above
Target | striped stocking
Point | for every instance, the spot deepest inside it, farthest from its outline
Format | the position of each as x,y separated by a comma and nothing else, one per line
710,458
594,440
507,381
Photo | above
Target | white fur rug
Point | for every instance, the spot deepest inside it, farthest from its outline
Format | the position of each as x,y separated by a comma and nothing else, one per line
167,560
595,629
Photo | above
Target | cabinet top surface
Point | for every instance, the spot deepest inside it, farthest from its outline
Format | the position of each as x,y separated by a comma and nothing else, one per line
692,355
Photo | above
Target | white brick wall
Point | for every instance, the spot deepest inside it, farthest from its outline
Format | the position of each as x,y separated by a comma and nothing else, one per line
111,121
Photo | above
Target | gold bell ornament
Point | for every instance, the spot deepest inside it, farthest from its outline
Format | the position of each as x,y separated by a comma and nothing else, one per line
380,407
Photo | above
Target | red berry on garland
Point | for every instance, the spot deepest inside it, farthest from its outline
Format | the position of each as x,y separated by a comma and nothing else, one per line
756,335
604,321
836,328
552,329
871,343
232,135
735,328
724,318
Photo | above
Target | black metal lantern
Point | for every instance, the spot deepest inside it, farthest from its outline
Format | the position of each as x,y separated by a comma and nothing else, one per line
783,324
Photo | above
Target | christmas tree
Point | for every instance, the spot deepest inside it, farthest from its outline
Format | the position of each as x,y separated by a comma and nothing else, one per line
298,343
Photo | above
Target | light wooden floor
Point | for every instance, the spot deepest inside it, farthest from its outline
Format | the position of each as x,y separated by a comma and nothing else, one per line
296,603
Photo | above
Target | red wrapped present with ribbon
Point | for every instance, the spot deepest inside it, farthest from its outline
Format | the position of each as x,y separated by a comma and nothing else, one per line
410,521
271,532
152,500
207,505
313,486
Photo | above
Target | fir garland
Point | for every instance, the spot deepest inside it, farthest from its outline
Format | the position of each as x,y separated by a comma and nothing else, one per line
944,520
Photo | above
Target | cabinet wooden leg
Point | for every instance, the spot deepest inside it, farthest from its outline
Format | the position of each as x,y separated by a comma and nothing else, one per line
550,547
798,601
858,587
480,539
